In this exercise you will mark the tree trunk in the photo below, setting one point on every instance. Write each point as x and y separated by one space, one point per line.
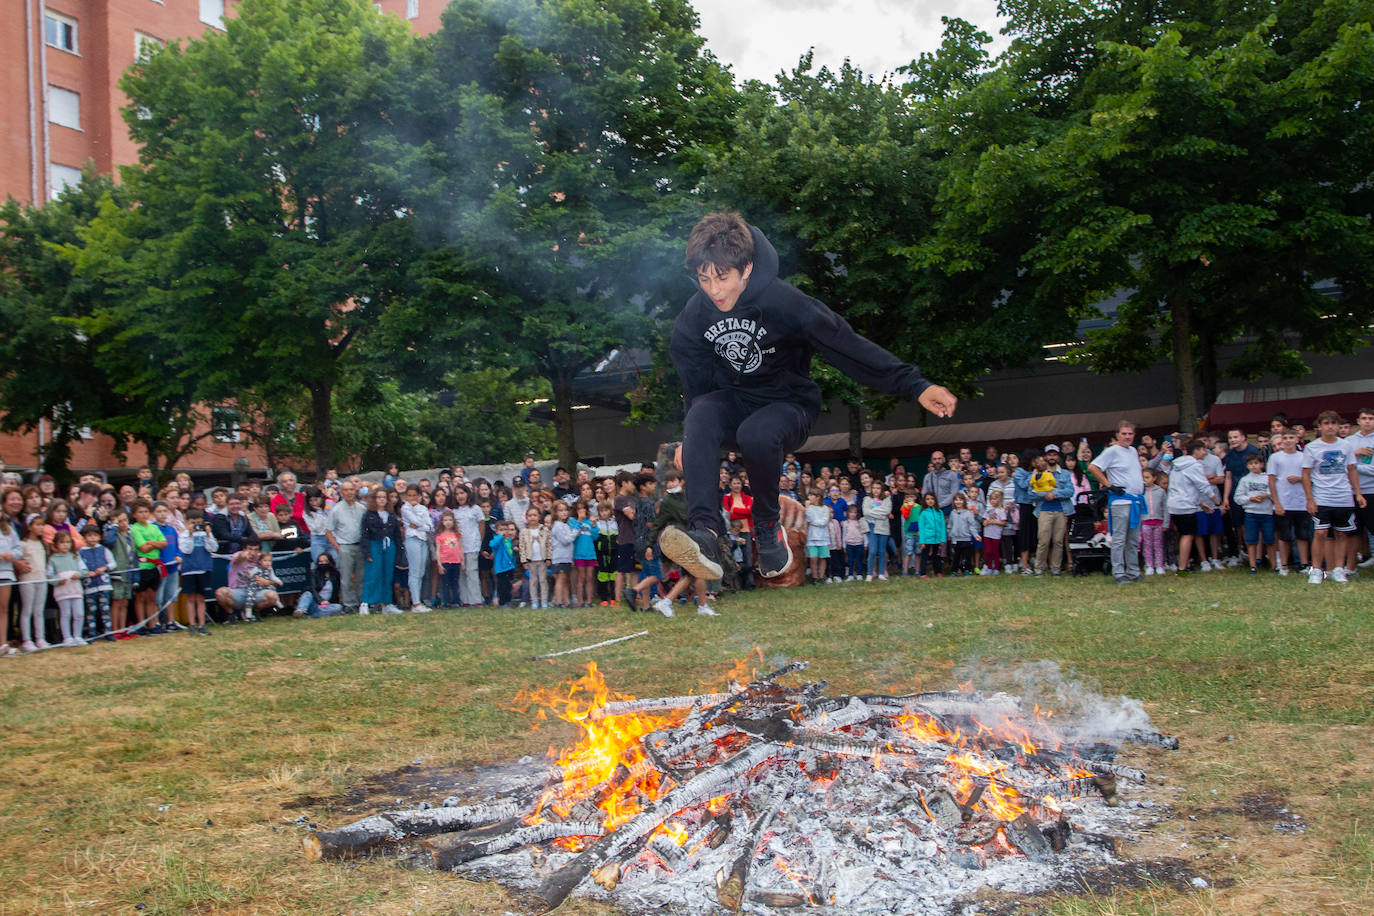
563 420
856 432
1184 363
322 424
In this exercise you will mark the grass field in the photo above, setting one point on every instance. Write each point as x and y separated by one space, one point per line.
171 771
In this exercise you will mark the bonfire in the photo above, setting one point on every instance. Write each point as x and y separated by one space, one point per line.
774 794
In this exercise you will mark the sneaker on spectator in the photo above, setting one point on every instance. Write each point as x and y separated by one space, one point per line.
697 551
704 610
1282 570
1149 571
1314 576
1366 563
391 609
1027 571
868 578
1338 575
1233 561
1204 566
664 607
882 577
774 554
28 646
419 609
42 643
364 610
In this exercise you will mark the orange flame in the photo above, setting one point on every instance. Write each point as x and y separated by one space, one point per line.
610 745
745 669
673 831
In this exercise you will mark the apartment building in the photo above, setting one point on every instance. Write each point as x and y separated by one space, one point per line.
60 65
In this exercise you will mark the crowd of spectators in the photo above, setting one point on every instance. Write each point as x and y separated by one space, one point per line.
114 563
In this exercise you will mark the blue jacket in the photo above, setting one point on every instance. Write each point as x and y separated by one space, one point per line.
502 554
1020 479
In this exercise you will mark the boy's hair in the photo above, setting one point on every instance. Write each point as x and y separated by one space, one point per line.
605 506
642 479
1195 444
1255 457
117 513
194 515
671 475
1365 410
90 530
219 490
1328 415
140 503
160 504
412 488
623 477
721 240
263 500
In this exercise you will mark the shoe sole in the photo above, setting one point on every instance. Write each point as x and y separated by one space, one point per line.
785 567
685 552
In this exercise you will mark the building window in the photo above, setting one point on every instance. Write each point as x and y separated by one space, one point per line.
64 107
59 31
412 9
224 424
144 45
61 177
212 13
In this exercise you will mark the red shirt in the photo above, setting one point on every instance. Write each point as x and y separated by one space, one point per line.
741 508
297 509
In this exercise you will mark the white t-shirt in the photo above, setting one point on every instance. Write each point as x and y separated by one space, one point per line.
1121 464
1212 467
1292 497
1365 466
818 526
1330 465
1250 486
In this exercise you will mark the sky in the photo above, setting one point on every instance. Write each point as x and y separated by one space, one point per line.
758 38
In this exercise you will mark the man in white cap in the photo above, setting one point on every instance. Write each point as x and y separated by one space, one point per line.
1049 510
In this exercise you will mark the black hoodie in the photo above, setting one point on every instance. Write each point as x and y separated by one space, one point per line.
761 349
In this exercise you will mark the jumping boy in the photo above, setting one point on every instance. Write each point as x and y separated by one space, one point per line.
742 347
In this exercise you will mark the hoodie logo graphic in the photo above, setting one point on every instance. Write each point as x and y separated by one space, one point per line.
737 342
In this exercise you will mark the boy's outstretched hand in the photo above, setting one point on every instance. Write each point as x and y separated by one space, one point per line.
938 400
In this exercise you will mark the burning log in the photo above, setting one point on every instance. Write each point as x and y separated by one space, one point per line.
392 826
753 689
698 789
656 704
450 849
778 899
730 884
1026 837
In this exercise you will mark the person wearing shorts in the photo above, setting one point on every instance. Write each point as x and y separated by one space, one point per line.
1252 493
624 505
1333 493
1362 441
1292 524
1190 495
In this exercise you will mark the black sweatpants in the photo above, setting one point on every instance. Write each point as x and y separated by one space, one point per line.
763 434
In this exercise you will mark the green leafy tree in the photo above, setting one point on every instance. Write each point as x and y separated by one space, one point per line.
553 185
268 236
1155 149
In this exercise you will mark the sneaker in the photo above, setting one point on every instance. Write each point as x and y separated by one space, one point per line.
774 554
1314 576
1172 567
1148 571
1038 572
664 607
391 609
1027 571
1204 566
704 610
882 577
42 644
1365 564
1338 575
174 626
27 647
835 579
420 609
868 578
1282 570
1254 571
1233 561
697 551
364 610
203 630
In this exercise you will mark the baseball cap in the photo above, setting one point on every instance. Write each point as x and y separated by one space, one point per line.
1051 447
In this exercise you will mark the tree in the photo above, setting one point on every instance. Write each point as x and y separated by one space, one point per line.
50 373
269 235
1152 149
554 195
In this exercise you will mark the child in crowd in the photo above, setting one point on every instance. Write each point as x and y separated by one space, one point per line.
536 546
262 582
932 537
836 567
119 542
169 556
11 549
877 508
1252 494
197 567
448 545
99 561
584 556
1331 483
1190 494
1292 524
911 531
400 576
148 542
1152 524
855 536
606 551
418 527
502 548
994 525
563 540
322 600
1041 480
65 565
33 590
818 518
962 528
381 534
